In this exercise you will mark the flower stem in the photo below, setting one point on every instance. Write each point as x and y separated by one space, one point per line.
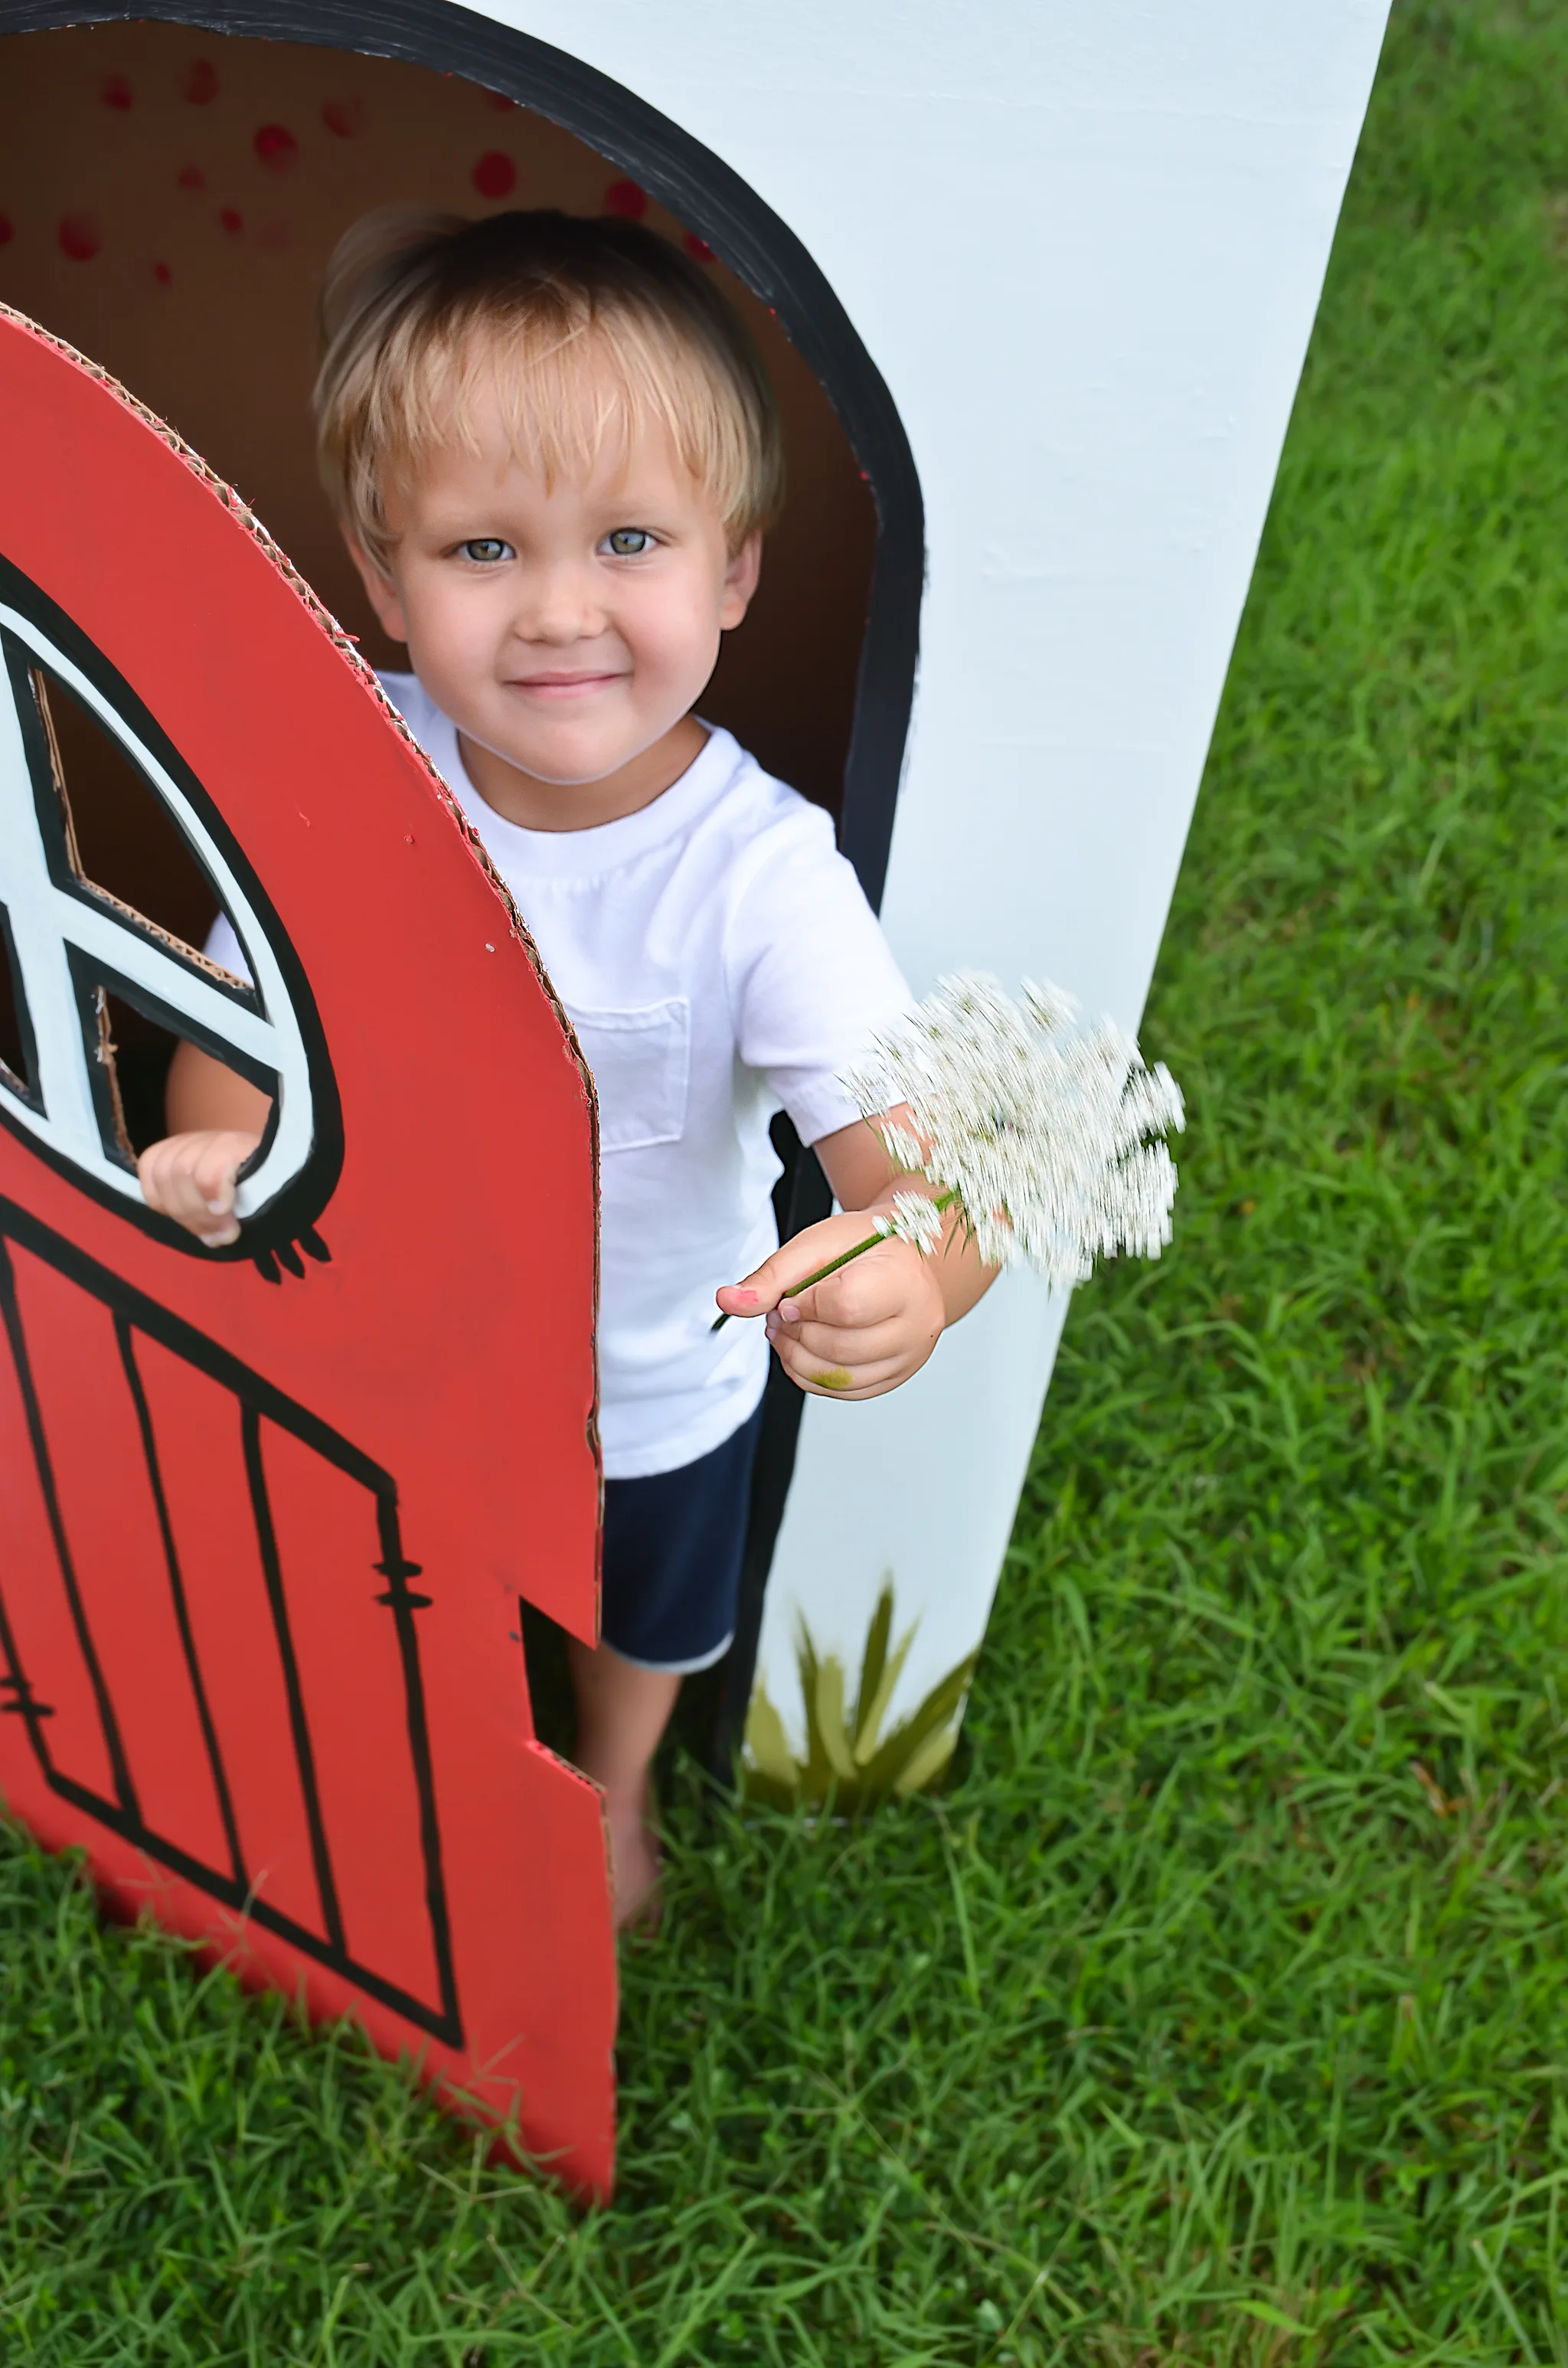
942 1201
822 1273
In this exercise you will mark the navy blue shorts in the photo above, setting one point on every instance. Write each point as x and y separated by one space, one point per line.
671 1558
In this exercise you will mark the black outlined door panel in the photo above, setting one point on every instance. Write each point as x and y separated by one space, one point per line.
320 1676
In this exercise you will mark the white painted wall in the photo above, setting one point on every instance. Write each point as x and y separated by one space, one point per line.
1084 241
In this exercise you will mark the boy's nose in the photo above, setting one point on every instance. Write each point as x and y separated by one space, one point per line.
560 604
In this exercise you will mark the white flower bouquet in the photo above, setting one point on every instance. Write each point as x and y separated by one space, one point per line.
1044 1134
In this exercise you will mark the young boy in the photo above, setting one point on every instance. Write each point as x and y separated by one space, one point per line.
553 451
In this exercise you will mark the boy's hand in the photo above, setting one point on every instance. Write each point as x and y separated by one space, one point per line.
858 1332
191 1177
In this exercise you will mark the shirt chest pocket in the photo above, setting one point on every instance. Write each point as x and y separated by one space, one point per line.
640 1060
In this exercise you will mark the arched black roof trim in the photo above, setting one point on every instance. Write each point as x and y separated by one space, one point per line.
712 201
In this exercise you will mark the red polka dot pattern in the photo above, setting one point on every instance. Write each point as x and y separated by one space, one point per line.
275 148
80 237
494 176
626 198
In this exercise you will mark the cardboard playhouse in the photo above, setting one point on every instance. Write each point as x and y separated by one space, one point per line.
1035 284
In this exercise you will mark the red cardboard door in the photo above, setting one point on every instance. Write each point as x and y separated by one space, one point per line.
267 1515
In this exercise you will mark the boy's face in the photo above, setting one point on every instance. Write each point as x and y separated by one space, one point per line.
568 632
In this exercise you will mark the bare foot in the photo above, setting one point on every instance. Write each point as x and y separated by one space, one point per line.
635 1865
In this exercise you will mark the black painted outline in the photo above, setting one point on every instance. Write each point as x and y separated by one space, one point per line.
290 1214
258 1400
26 1088
298 1723
125 1336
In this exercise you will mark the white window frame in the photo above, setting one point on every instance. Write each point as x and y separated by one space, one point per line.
57 1104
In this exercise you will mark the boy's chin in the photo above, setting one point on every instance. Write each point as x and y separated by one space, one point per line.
577 761
580 770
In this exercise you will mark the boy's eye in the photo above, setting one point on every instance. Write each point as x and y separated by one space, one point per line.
486 547
628 542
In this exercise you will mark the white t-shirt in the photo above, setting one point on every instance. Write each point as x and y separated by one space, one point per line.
719 962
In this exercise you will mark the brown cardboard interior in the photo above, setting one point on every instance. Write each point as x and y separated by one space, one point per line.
169 197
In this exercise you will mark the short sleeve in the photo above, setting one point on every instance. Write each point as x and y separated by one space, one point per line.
812 977
224 948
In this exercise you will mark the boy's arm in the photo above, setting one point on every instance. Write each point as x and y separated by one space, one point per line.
216 1119
865 1329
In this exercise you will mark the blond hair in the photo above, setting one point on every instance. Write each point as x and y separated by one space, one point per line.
587 331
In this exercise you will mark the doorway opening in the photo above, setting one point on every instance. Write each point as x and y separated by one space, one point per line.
169 192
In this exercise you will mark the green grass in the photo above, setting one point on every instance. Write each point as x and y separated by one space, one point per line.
1219 2014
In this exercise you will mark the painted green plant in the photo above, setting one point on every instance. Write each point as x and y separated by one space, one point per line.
847 1755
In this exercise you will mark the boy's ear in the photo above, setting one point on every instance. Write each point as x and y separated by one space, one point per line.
740 582
382 592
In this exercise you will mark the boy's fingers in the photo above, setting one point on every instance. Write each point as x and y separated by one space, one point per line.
818 1378
755 1295
193 1180
885 1285
759 1292
218 1167
187 1207
214 1179
773 1284
887 1348
162 1180
856 1298
837 1344
742 1299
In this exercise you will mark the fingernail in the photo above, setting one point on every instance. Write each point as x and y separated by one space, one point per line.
749 1296
789 1311
220 1241
218 1208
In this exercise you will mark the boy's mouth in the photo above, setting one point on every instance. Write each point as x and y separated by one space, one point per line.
561 685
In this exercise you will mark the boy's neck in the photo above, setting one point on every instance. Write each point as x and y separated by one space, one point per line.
533 804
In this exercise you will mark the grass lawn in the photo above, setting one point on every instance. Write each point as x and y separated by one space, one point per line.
1219 2012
